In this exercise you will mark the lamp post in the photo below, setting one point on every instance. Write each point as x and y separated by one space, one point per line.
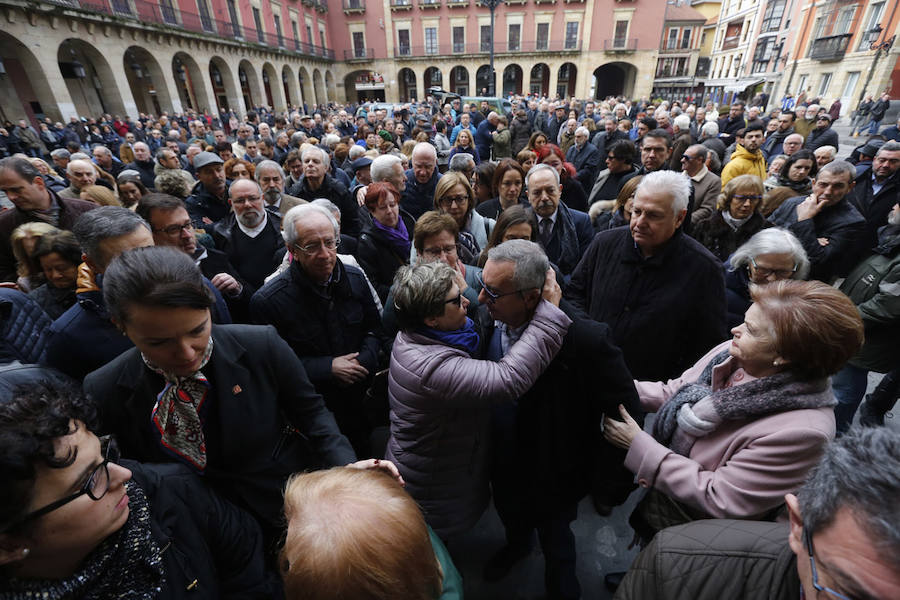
884 46
491 6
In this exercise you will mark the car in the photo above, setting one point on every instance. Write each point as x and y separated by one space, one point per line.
501 106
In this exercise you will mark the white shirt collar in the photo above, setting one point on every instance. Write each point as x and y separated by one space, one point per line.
256 230
700 174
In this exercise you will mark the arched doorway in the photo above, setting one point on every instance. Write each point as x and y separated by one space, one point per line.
249 84
289 83
539 81
146 80
406 79
306 93
88 76
330 87
614 79
318 86
459 80
512 80
224 90
189 83
565 80
364 86
271 87
483 81
432 78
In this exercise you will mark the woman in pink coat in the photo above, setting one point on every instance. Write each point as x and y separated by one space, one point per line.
742 427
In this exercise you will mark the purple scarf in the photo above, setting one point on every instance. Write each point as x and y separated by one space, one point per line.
397 237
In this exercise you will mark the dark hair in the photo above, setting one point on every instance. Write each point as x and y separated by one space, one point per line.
506 164
220 146
63 243
31 419
623 150
754 127
157 201
650 122
157 276
799 155
514 215
660 134
484 173
439 125
21 167
790 112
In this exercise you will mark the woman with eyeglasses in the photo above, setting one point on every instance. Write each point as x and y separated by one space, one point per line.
465 143
441 396
771 255
736 219
454 196
76 522
385 242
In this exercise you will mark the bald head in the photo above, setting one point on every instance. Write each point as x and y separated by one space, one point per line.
141 151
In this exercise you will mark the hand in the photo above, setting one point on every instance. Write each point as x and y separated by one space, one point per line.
809 208
461 282
552 293
822 241
621 433
384 465
207 221
347 370
227 284
361 195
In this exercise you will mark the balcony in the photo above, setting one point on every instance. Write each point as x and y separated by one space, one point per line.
499 48
545 1
620 45
432 4
831 48
354 6
457 3
731 42
401 5
668 48
309 3
321 6
359 54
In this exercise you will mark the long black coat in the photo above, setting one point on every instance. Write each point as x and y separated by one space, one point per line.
665 312
378 258
718 237
265 420
338 193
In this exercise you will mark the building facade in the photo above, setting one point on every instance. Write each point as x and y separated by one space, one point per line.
679 52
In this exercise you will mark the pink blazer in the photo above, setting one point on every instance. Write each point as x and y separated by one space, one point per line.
741 470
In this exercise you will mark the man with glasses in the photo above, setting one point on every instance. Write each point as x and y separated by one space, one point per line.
325 311
619 165
747 158
557 420
317 182
707 185
842 541
822 134
250 237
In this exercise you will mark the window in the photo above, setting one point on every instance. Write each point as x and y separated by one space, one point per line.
322 41
763 54
486 41
278 31
359 44
824 83
801 85
309 35
845 19
296 34
235 23
543 36
121 7
431 43
571 35
168 12
459 40
850 85
257 18
876 11
672 42
205 20
403 42
686 38
773 15
620 39
514 37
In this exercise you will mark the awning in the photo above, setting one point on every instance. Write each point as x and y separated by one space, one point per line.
742 84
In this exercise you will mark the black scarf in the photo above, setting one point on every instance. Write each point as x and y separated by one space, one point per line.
126 565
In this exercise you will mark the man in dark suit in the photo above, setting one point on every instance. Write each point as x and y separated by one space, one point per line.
585 156
563 233
876 190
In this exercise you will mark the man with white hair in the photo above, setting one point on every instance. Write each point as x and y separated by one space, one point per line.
709 137
81 174
824 155
792 144
421 179
661 293
585 156
317 183
681 139
104 158
483 138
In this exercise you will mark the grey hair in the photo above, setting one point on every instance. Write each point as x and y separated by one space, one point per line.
831 150
699 149
238 182
79 156
859 472
299 213
268 164
710 128
582 131
773 240
103 150
541 167
143 144
311 148
21 167
674 184
74 163
531 263
682 122
103 223
61 153
889 146
839 167
355 152
420 292
331 140
382 167
425 147
620 105
462 162
327 205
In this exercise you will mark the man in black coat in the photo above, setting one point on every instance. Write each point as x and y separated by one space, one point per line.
317 183
876 190
822 134
417 197
731 124
326 313
661 293
548 451
208 202
586 158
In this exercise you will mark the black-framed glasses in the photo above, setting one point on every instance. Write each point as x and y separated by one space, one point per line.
95 487
815 572
448 201
742 198
779 273
687 157
492 295
457 300
175 229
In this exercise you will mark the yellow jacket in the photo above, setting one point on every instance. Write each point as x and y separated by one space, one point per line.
743 162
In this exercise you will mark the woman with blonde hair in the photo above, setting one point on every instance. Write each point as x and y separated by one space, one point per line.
465 143
23 240
454 196
619 210
100 195
737 217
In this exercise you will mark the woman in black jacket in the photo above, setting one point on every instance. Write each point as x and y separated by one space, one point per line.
736 219
385 242
78 523
58 255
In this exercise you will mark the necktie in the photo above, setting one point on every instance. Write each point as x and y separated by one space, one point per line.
546 229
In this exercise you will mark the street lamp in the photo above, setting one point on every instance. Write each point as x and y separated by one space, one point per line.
492 5
885 46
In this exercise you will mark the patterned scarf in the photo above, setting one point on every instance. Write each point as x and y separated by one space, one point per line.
177 413
128 565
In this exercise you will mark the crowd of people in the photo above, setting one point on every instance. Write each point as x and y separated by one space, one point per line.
299 354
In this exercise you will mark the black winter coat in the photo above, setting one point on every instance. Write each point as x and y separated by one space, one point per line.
665 312
264 419
202 203
875 208
737 294
23 328
519 133
338 193
718 237
378 258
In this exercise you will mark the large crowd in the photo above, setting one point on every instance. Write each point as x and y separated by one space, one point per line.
298 354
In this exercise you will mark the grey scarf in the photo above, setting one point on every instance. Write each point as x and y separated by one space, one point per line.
677 426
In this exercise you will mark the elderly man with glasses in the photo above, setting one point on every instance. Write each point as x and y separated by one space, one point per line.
325 311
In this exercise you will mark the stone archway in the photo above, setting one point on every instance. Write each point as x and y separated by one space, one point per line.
330 87
565 80
459 80
28 93
305 81
319 86
406 81
291 90
432 78
614 79
89 78
272 89
483 83
539 82
146 80
189 83
512 80
225 91
250 85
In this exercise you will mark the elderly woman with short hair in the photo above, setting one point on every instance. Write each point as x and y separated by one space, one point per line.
736 219
441 397
454 196
386 240
770 255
